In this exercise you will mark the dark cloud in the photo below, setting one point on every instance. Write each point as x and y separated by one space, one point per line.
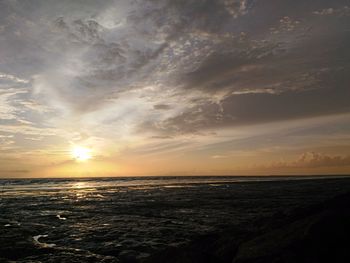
296 69
261 106
162 107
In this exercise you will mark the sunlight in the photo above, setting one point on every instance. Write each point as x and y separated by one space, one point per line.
81 154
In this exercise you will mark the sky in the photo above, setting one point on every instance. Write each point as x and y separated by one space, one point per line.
174 87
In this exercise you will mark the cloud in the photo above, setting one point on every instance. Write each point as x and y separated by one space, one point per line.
164 69
237 7
14 171
11 88
287 24
342 11
101 55
12 78
8 109
7 142
315 160
219 157
162 107
257 107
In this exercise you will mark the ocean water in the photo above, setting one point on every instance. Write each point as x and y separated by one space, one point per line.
131 218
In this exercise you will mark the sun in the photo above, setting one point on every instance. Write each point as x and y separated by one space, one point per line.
81 154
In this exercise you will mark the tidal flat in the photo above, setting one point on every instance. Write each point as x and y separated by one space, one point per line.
148 219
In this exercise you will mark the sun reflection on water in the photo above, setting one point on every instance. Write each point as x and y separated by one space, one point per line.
80 185
85 190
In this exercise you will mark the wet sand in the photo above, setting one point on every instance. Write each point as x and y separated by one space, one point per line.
170 221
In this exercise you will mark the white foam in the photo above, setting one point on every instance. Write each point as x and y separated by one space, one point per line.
61 217
36 241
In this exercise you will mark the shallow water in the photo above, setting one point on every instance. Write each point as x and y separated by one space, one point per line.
115 219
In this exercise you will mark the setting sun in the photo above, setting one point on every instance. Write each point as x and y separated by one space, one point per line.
81 154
